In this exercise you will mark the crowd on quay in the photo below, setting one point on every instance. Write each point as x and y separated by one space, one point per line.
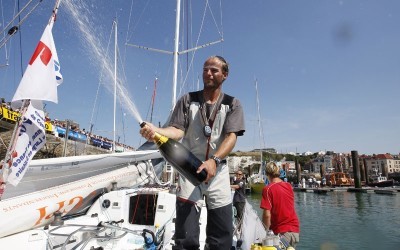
7 105
59 128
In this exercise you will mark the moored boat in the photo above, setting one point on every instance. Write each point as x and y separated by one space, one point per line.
381 181
257 187
339 179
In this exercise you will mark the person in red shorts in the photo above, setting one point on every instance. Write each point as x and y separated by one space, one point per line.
279 214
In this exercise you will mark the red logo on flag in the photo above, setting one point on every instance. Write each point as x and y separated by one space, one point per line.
44 51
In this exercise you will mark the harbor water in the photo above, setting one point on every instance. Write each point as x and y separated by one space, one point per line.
341 220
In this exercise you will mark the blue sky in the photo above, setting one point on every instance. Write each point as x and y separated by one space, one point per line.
327 71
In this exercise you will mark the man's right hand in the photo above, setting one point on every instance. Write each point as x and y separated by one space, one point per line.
147 131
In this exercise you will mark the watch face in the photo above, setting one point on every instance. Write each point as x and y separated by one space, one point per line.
207 131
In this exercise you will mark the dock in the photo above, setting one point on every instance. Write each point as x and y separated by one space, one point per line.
313 190
325 190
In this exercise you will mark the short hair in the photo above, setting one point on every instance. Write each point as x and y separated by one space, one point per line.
272 169
225 65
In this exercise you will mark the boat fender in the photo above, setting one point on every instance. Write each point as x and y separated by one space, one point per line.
255 246
268 248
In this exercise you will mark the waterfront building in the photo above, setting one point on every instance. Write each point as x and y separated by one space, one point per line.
383 163
289 166
323 161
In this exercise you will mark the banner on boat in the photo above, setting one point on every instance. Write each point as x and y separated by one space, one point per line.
31 138
42 76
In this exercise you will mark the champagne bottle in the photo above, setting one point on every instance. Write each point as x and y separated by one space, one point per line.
184 161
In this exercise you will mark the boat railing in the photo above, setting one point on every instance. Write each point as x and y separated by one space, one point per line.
100 232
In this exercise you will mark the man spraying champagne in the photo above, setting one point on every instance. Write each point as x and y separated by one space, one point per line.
208 122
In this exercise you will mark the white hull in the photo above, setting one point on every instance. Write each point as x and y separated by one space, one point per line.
133 208
35 209
122 207
117 220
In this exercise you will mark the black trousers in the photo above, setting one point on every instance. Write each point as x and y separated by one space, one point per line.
187 228
239 209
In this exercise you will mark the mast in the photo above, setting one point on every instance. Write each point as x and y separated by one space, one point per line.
115 79
175 53
175 68
153 99
260 130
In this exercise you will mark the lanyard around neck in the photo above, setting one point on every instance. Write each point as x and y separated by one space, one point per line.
209 121
213 112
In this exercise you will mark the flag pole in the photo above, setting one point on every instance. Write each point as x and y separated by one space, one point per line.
5 165
53 17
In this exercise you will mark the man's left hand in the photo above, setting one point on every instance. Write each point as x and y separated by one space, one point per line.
211 167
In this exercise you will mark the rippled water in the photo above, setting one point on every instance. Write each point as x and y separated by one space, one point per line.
343 220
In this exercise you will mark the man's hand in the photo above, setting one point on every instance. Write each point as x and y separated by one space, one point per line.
147 131
211 167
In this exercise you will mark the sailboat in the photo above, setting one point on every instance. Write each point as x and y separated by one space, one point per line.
48 183
128 208
258 180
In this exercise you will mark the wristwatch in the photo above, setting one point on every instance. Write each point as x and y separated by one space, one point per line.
216 159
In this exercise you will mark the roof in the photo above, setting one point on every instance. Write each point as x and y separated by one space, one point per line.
384 156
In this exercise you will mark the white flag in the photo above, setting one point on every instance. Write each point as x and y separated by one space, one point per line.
42 76
30 139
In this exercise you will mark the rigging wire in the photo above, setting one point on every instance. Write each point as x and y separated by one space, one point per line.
183 82
150 109
128 37
215 22
123 125
20 41
15 28
207 6
99 84
17 15
5 46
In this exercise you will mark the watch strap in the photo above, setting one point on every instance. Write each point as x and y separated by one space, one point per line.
216 159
